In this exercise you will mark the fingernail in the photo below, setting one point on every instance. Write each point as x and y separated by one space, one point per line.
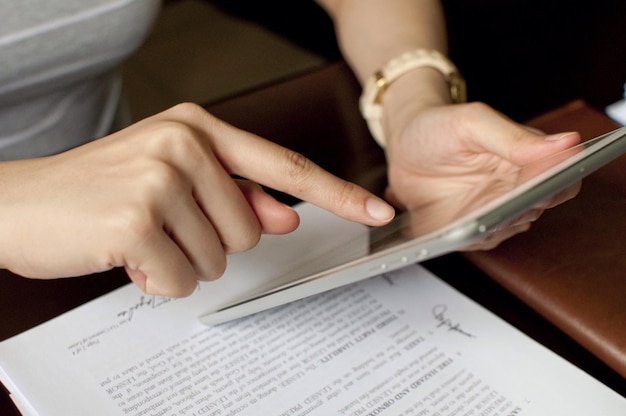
379 209
558 136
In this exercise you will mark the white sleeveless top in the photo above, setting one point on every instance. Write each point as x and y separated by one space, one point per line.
59 85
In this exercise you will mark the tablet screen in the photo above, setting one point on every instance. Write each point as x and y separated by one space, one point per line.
454 223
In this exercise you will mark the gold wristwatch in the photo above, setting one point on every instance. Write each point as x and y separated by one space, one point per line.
371 100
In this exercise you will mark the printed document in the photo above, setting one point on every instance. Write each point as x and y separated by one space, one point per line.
403 343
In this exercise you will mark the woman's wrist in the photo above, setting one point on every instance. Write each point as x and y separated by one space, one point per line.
415 91
414 79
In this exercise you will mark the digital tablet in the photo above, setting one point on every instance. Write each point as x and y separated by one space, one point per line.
449 225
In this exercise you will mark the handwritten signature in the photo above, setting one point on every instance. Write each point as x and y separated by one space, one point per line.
439 312
145 302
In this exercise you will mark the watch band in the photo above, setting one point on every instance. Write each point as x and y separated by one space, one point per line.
371 100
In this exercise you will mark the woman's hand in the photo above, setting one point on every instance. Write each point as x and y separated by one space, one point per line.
158 199
442 153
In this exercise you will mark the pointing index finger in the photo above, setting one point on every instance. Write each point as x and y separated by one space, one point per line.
285 170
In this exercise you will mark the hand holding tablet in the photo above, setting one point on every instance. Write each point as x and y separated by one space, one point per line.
474 219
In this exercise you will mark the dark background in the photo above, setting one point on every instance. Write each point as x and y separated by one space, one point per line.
523 57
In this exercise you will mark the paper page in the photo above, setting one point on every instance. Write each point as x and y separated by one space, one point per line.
399 344
403 344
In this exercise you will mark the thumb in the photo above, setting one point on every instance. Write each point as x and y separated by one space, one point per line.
514 142
531 146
